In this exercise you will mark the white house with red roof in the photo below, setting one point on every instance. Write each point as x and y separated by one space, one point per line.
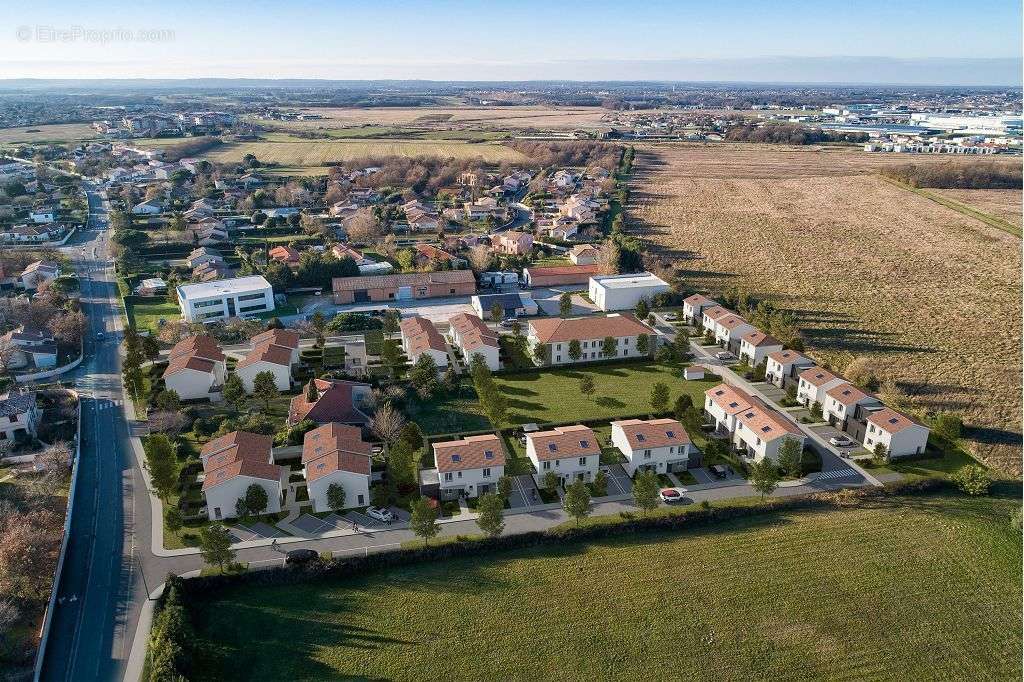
695 305
336 454
420 337
841 403
755 346
783 367
472 336
196 369
469 467
814 384
274 351
729 329
571 452
710 317
233 463
723 403
755 429
660 445
899 434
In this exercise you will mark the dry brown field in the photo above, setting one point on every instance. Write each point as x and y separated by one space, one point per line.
1002 203
551 118
871 269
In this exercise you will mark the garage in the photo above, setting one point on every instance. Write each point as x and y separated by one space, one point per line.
361 296
404 293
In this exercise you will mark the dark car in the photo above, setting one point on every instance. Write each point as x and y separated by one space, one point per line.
301 556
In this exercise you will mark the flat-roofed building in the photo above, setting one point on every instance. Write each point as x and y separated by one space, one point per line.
224 298
624 292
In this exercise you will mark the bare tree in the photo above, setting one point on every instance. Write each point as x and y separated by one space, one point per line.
479 257
68 328
8 353
387 422
362 227
167 422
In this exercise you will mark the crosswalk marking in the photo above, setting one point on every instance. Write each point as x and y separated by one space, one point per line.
831 475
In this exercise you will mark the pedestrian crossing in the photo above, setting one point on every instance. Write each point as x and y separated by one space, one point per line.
109 405
833 475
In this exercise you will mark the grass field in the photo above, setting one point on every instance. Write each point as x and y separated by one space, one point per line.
1001 203
870 268
910 588
296 151
553 396
148 315
59 132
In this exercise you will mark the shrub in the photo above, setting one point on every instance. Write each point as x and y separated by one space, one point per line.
973 480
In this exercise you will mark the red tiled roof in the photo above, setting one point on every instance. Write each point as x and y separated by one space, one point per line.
564 442
193 362
653 433
201 345
334 404
473 332
472 452
891 421
278 337
846 394
284 254
758 338
333 437
422 335
729 399
816 376
267 352
557 330
716 311
785 357
238 453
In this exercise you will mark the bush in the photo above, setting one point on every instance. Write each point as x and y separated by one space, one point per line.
973 480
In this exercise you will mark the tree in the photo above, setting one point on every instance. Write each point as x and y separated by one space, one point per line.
490 514
505 487
215 545
540 352
643 309
68 328
949 426
879 454
861 373
609 347
790 456
401 464
413 436
423 521
390 322
659 397
576 501
335 496
645 490
601 483
234 392
265 388
379 495
167 400
683 404
312 392
363 226
587 385
973 479
423 376
256 499
161 464
550 481
575 350
764 477
497 312
387 423
452 380
173 520
643 344
565 304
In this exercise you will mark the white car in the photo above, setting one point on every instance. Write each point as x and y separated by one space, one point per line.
670 495
840 441
380 513
725 355
670 316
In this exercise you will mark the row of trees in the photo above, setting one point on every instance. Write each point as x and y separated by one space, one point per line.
492 400
788 133
950 175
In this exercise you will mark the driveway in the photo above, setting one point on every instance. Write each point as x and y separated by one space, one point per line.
547 299
828 431
619 482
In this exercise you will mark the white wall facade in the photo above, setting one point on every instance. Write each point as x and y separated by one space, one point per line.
468 482
221 306
568 469
591 349
192 384
282 375
658 459
910 441
222 498
357 490
755 355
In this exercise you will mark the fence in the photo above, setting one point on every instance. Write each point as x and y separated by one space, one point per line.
56 371
44 634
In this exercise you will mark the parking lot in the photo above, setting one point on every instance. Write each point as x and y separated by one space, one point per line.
256 531
619 482
826 431
524 492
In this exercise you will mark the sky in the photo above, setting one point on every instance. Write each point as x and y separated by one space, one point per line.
869 41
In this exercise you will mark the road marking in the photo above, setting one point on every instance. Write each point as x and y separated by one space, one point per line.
832 475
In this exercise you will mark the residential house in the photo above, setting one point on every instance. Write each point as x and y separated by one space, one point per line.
472 336
730 329
897 433
557 334
420 337
559 275
723 403
513 304
274 351
783 367
287 255
337 401
658 445
341 251
30 345
513 242
427 254
403 286
153 286
571 452
38 273
584 254
814 382
695 305
19 415
196 369
711 316
483 208
150 207
563 227
43 215
846 407
755 346
221 299
31 234
755 429
202 255
211 271
336 454
469 467
233 463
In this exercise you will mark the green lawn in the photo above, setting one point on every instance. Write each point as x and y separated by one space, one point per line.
925 587
148 315
553 396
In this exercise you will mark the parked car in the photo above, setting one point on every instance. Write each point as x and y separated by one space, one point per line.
380 513
840 441
725 355
720 470
301 556
671 317
670 495
507 324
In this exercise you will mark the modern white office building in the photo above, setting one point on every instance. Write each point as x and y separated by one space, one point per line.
224 298
623 292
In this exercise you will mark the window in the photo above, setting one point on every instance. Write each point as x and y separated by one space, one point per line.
547 465
558 359
487 473
252 297
583 461
360 501
447 475
460 475
647 454
248 308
